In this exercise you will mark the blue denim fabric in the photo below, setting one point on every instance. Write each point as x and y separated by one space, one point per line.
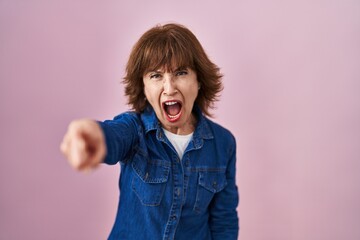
164 197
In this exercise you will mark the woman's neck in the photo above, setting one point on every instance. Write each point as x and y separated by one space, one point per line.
187 128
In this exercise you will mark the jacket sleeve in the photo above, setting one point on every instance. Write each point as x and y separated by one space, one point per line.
121 135
224 222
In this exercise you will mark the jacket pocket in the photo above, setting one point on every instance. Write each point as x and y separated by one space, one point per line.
209 183
150 178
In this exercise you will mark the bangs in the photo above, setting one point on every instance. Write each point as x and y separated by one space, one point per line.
167 53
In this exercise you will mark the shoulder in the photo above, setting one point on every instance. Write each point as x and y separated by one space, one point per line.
127 115
126 119
221 133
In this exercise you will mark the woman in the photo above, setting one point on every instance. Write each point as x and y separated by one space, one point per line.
177 167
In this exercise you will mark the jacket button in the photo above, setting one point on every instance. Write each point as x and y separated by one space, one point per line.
173 218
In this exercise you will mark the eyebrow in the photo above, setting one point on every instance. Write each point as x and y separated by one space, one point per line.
153 71
160 71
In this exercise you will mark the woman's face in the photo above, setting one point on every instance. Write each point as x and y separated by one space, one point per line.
172 95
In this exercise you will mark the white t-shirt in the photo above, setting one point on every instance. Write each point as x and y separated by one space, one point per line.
180 142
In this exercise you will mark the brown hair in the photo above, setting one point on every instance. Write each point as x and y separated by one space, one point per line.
171 46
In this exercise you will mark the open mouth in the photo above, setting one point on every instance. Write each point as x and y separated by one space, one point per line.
172 110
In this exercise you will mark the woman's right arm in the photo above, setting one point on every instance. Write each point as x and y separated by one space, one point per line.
87 143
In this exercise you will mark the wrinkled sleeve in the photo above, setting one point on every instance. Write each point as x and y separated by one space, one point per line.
121 135
224 222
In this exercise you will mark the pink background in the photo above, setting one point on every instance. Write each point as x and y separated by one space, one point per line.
292 98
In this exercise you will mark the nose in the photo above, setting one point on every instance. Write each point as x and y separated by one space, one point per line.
169 85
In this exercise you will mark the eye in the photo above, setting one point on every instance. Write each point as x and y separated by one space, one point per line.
181 73
155 76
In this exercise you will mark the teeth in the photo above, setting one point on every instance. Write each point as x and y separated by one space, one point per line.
170 103
175 116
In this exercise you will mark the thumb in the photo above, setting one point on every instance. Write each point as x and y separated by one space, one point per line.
79 153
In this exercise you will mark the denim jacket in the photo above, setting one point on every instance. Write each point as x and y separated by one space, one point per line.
164 197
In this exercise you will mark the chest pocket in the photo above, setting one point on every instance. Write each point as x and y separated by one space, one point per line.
209 183
150 178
